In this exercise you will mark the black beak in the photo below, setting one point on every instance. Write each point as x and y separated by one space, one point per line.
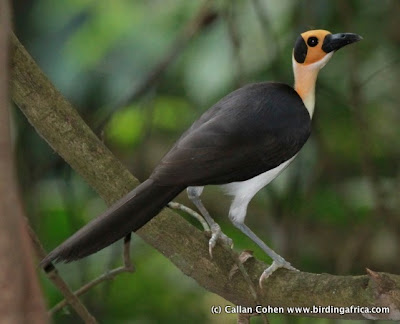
333 42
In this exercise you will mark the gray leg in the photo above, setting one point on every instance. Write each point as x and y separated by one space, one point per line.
237 215
194 195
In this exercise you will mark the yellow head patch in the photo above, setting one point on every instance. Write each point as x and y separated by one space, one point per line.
308 47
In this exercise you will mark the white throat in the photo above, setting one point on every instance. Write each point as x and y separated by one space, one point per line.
305 78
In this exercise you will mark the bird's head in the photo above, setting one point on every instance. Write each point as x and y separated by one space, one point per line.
315 47
312 50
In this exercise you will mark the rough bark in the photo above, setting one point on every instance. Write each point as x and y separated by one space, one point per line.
187 247
20 296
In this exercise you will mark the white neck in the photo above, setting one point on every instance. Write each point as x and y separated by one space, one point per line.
305 78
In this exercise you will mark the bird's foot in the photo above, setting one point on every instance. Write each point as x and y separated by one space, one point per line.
216 234
273 267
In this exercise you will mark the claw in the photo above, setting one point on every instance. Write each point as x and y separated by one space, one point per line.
211 244
229 242
216 234
273 267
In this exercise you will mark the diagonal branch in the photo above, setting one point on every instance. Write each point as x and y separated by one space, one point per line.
110 275
52 274
203 18
60 125
234 37
178 206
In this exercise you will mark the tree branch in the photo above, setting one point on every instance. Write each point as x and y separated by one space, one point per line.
110 275
202 19
21 299
55 278
191 212
266 26
234 37
187 247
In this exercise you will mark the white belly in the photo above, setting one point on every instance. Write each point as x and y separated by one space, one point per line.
245 190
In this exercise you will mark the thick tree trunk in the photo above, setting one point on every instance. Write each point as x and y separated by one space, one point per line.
20 296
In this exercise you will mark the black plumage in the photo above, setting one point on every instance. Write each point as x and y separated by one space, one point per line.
250 131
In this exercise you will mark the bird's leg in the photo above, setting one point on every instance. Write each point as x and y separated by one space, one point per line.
278 261
194 195
237 214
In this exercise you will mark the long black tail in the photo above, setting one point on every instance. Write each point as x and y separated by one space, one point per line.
126 216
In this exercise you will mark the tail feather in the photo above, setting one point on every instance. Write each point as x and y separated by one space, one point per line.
126 216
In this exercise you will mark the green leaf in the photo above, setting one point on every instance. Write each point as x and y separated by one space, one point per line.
126 127
171 113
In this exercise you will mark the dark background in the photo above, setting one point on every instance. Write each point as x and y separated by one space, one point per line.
334 210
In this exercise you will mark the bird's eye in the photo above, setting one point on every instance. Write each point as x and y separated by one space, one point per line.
312 41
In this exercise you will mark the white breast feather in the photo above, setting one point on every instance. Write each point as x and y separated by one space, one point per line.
249 188
244 191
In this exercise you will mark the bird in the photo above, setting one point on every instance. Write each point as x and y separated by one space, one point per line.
241 143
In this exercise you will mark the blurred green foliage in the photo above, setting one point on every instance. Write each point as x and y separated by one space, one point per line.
336 209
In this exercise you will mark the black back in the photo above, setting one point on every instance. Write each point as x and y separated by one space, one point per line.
250 131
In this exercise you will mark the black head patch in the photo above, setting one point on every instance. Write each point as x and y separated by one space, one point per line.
300 50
